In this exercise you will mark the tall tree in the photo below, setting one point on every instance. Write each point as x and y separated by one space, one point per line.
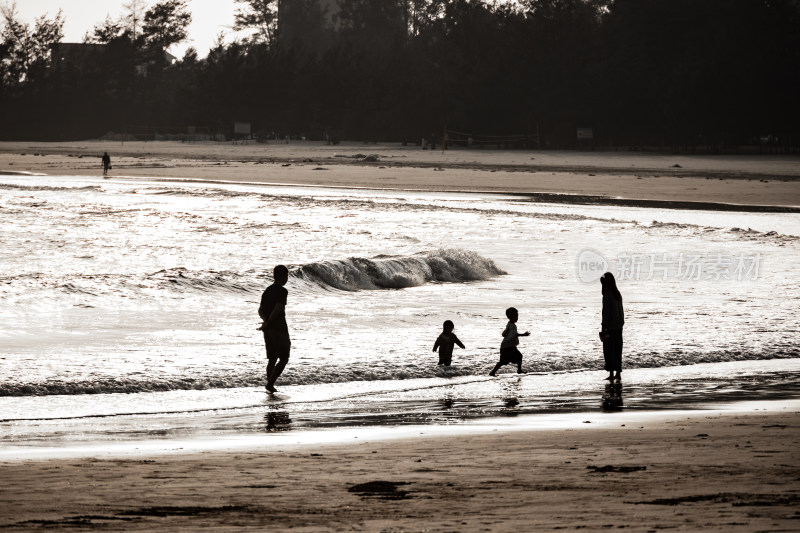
105 31
134 16
305 25
26 51
165 24
259 16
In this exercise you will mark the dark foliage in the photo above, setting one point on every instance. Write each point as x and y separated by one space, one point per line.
678 74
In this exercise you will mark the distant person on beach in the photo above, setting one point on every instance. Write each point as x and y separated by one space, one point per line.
276 333
445 343
611 328
106 163
508 348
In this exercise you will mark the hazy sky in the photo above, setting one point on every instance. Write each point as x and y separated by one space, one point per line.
209 18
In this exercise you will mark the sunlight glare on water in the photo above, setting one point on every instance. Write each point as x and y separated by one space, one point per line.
142 286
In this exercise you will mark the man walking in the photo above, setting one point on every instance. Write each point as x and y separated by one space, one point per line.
276 333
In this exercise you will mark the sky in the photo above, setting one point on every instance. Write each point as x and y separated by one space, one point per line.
209 18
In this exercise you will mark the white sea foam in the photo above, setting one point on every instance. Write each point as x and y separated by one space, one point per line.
110 287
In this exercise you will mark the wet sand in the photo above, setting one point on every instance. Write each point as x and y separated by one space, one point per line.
740 182
733 470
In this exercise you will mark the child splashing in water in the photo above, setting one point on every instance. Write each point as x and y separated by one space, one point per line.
445 343
508 348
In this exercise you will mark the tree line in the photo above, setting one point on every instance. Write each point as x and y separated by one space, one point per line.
672 73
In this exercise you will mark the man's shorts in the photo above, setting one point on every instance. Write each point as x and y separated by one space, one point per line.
278 344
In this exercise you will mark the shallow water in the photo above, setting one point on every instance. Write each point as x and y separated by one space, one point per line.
135 287
183 420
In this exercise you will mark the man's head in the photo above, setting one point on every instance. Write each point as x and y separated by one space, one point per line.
280 274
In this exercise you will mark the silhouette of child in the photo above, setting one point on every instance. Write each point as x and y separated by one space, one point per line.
445 343
508 348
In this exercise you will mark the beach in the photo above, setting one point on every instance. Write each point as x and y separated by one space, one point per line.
709 470
138 404
565 176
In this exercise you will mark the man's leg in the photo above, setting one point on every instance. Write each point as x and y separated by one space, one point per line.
280 346
277 370
271 358
270 367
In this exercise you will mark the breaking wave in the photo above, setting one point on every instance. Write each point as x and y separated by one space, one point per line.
353 274
356 273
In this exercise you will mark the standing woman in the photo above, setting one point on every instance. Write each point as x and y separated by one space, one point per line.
611 332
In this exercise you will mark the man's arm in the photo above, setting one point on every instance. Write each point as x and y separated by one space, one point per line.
276 311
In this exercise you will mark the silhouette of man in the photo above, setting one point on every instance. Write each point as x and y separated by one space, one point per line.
106 163
276 333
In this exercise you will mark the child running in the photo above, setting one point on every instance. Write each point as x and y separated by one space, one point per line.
508 348
445 343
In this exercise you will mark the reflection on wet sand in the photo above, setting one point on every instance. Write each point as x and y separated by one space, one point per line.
511 394
277 421
527 395
612 397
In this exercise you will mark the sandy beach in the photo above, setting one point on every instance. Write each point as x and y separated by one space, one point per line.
747 182
704 470
733 467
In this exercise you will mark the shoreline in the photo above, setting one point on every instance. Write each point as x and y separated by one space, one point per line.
731 183
535 197
640 471
104 426
280 436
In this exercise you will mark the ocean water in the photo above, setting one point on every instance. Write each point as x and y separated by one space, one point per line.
123 298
